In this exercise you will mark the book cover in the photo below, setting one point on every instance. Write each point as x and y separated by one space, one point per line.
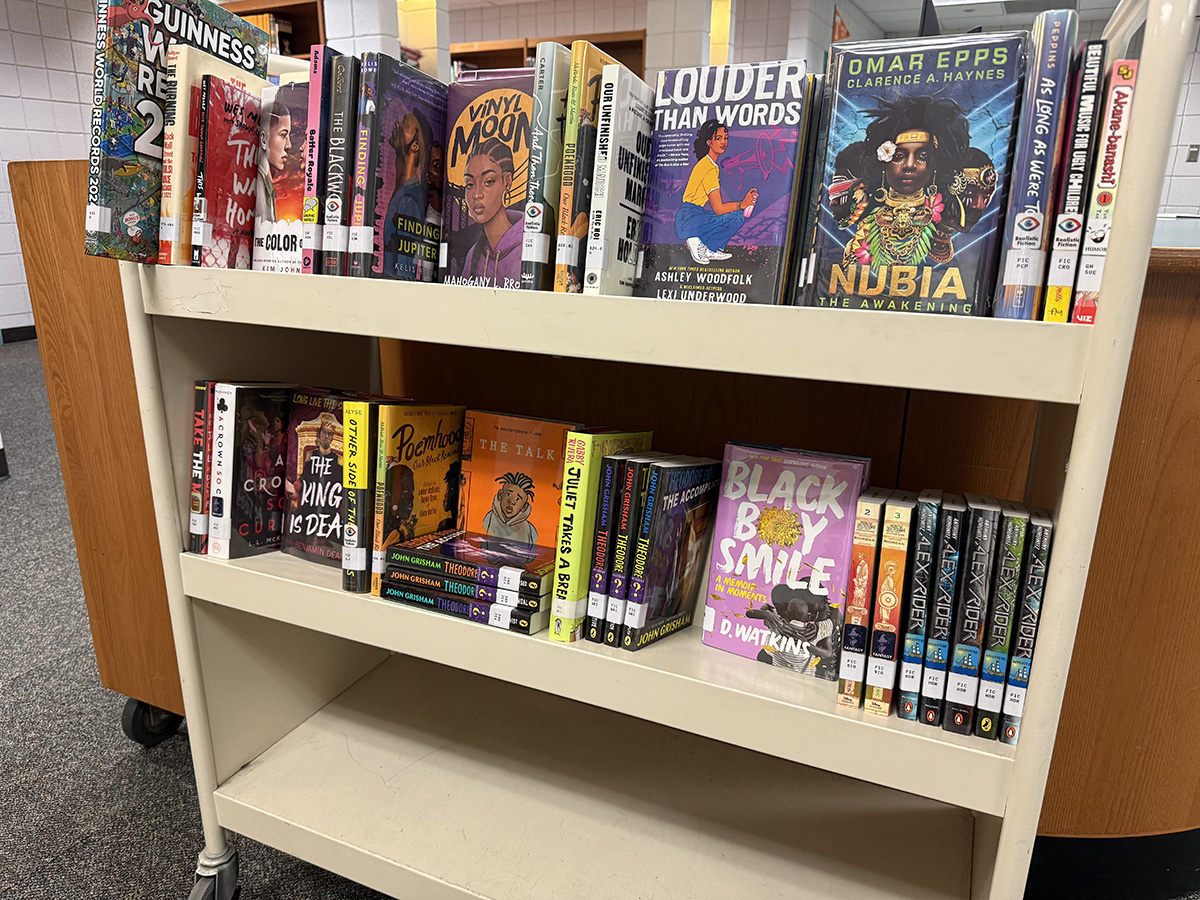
226 173
1107 171
312 527
339 167
197 517
279 208
631 500
472 590
582 459
970 619
552 74
1029 611
856 627
181 136
1027 229
619 183
895 550
916 611
487 176
1002 617
361 236
1079 155
952 533
360 426
782 550
722 192
916 172
316 155
418 452
125 133
249 465
482 558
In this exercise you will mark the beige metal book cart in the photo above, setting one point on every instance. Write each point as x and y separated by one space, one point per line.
434 758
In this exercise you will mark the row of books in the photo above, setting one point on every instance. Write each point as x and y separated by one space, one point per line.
279 31
960 174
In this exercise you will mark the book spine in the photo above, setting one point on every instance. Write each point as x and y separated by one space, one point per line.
941 617
339 174
222 487
316 144
361 240
570 597
602 545
916 613
508 578
1001 618
962 681
358 512
1079 156
536 262
637 601
201 229
857 625
208 460
601 180
1030 610
379 526
567 248
472 590
1110 151
167 223
473 610
633 483
884 649
98 218
197 520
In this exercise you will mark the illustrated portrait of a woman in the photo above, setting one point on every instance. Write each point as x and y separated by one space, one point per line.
706 221
496 253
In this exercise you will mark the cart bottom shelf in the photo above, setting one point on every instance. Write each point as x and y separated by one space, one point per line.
424 781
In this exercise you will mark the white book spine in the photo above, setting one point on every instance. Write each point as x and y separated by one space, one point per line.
221 482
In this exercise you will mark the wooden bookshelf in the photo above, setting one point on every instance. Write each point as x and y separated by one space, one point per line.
307 18
628 47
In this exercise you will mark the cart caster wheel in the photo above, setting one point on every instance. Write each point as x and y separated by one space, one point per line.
205 888
148 725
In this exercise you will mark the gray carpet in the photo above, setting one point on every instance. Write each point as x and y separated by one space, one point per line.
84 812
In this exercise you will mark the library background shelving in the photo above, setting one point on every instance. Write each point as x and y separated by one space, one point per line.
428 757
307 18
627 47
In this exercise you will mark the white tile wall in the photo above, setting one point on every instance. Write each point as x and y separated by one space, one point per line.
1181 187
45 102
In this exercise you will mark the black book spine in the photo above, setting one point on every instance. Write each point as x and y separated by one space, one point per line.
459 607
632 496
339 168
433 562
200 205
366 163
472 590
657 486
1010 555
916 614
602 546
197 521
1033 587
940 624
359 426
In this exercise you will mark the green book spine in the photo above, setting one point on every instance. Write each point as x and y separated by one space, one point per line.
997 642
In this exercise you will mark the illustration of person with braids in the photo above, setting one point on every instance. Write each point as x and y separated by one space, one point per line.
706 222
911 184
496 253
511 509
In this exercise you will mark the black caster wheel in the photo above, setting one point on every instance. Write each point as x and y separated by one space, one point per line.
148 725
205 888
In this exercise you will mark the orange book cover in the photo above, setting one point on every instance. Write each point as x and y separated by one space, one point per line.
512 469
883 652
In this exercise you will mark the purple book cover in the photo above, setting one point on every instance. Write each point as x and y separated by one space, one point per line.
406 198
313 487
719 201
487 174
781 556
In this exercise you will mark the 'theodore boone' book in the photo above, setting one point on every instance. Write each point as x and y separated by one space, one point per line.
223 205
1002 618
126 130
856 625
1038 158
721 199
883 649
473 590
497 615
278 229
619 182
916 172
782 546
952 534
481 558
916 609
339 166
487 173
1029 611
312 526
551 77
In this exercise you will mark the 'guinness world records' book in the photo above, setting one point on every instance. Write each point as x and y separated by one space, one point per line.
360 426
952 535
619 182
906 225
1076 175
125 134
480 558
1029 610
312 525
1110 151
278 225
883 651
970 619
1002 618
552 75
339 169
916 612
723 190
1027 228
856 627
316 154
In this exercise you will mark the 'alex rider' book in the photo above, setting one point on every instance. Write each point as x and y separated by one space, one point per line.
916 172
721 195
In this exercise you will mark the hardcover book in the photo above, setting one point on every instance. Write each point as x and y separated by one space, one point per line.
1002 617
619 182
125 156
723 186
1029 611
201 463
952 533
339 168
916 610
278 224
895 551
226 168
551 77
810 192
317 141
481 558
1027 232
856 627
360 427
579 160
916 172
781 556
487 176
314 481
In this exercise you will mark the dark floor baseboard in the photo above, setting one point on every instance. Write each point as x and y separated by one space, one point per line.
21 333
1159 867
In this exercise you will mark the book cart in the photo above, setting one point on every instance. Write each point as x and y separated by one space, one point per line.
430 757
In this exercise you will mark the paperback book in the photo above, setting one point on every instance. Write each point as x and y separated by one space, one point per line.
201 465
551 77
916 610
883 650
278 225
496 615
472 590
1002 618
339 168
630 501
856 627
360 427
952 533
317 141
314 481
479 558
1029 611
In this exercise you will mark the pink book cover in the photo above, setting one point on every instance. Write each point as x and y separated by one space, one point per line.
781 551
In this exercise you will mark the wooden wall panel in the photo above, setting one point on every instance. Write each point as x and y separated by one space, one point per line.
84 342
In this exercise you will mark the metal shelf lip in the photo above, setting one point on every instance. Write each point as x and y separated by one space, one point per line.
678 682
958 354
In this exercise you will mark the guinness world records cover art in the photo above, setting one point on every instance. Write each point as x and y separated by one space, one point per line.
916 174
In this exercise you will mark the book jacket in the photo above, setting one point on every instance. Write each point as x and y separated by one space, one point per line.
916 172
552 74
226 161
339 166
278 224
315 467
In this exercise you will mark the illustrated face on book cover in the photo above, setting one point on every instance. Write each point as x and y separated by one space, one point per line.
281 155
314 484
808 621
